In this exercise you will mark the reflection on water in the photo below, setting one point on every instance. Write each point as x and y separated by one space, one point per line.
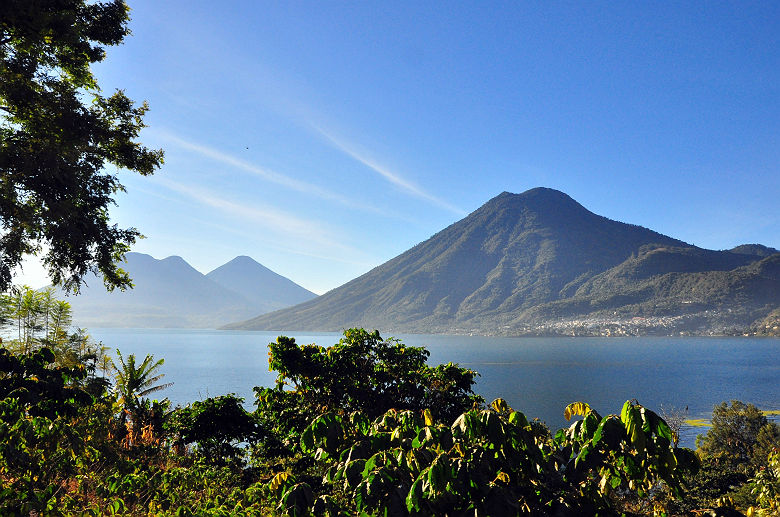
538 376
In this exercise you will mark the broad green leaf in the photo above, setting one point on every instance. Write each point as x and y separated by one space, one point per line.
307 439
649 419
624 412
354 471
662 429
589 425
610 432
333 474
632 419
495 427
518 419
299 496
583 455
437 474
414 498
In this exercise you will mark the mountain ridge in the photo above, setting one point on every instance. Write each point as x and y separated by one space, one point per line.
170 293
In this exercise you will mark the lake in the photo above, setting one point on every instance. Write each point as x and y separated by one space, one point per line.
538 376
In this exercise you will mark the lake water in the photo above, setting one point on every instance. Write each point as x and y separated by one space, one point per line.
538 376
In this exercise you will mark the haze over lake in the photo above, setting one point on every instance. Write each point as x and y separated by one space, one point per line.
538 376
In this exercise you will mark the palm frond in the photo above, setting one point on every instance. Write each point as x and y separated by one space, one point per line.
154 389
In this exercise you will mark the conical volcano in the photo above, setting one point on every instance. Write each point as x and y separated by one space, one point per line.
505 266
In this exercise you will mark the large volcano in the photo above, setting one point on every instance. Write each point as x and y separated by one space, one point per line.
522 261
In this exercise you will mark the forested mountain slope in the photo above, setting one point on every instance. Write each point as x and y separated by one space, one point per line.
521 262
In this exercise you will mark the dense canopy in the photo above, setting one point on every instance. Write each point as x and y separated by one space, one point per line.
62 142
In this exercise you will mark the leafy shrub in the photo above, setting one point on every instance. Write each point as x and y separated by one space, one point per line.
488 462
46 415
217 425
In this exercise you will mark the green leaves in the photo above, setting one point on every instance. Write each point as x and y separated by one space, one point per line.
362 374
610 431
437 475
216 424
633 422
407 461
58 135
133 382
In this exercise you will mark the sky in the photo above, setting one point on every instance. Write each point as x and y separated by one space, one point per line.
325 138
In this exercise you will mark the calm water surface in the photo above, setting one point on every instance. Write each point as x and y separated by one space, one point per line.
538 376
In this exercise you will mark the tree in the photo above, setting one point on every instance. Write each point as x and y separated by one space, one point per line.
362 372
25 313
734 434
217 424
58 134
737 446
135 382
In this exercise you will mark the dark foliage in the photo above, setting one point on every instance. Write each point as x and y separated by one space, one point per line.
58 134
217 425
362 372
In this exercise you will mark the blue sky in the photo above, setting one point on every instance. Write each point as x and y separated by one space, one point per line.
324 138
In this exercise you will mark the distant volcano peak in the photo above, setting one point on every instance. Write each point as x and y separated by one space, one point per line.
538 199
545 193
244 260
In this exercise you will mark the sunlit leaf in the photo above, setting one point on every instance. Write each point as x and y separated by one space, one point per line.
499 405
427 417
576 408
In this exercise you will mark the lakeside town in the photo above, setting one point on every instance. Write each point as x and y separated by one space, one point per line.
617 326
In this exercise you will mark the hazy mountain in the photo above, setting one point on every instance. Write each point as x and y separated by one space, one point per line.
168 293
268 291
521 262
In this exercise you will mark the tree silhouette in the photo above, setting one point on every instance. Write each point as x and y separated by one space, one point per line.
62 141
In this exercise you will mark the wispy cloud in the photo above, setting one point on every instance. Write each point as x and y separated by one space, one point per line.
265 173
392 177
302 230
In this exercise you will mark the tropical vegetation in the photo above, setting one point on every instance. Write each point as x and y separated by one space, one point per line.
363 427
